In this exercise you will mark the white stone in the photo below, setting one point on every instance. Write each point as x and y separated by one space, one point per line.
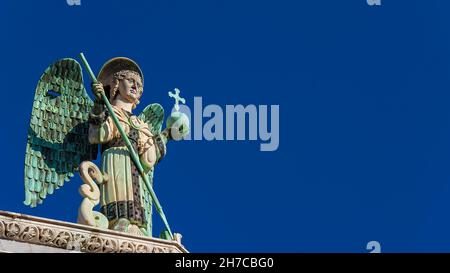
28 234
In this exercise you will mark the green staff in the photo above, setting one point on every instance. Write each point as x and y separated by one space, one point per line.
133 153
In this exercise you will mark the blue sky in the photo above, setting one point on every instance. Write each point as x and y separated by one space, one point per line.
363 94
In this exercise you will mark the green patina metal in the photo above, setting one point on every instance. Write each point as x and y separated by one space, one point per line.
57 137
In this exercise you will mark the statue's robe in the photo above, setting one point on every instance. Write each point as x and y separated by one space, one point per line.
124 194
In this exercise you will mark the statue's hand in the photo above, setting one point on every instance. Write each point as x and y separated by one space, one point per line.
98 112
98 89
166 134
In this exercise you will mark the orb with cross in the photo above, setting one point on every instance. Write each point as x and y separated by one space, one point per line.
177 121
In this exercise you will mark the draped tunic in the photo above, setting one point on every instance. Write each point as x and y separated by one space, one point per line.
124 194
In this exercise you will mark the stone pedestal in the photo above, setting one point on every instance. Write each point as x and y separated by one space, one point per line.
24 233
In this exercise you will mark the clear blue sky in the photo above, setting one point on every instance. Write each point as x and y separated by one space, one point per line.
364 95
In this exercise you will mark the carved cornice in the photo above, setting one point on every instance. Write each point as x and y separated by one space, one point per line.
76 237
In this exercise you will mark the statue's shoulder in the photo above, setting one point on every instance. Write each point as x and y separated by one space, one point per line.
120 113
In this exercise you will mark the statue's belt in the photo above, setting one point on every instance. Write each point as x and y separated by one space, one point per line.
133 136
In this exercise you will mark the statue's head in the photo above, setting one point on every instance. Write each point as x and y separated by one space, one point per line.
122 76
128 85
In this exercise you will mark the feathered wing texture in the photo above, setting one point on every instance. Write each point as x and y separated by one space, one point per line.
153 115
58 134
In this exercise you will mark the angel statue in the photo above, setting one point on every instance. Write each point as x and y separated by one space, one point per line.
67 127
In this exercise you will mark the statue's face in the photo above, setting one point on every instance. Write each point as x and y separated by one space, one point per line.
130 88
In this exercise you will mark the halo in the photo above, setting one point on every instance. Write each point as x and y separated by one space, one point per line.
117 64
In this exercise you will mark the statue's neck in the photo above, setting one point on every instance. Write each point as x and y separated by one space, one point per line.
123 104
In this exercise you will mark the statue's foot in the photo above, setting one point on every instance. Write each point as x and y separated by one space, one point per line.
135 230
121 225
145 232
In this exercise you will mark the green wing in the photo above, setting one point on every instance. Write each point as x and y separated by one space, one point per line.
58 134
153 115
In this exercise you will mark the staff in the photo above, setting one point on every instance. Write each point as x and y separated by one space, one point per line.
133 153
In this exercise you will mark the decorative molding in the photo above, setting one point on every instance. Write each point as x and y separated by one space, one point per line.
76 237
